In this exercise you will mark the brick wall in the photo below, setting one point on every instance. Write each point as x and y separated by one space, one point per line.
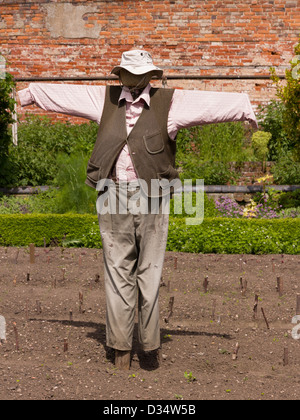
186 37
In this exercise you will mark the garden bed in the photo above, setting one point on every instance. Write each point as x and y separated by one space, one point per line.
40 302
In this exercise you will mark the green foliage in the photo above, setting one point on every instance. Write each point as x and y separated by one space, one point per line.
236 236
41 141
270 119
289 200
214 235
74 195
208 203
287 170
43 203
260 141
6 108
204 152
289 94
21 230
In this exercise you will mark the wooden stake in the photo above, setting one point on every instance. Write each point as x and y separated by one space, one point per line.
66 345
279 286
298 305
81 311
175 263
255 307
205 284
16 336
28 276
285 356
32 256
171 304
235 353
17 256
122 359
71 315
244 285
265 318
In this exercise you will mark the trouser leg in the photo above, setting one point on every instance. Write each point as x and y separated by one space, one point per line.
151 237
134 248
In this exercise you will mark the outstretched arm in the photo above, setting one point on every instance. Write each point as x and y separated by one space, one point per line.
193 107
78 100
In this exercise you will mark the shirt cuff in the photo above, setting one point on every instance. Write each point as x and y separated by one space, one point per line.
25 97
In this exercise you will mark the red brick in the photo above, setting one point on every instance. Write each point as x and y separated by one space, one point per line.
188 34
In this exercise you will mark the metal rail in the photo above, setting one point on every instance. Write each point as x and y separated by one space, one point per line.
114 78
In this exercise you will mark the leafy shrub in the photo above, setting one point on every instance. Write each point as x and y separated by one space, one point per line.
260 141
21 230
40 141
204 152
214 235
289 94
287 170
74 195
270 119
290 200
6 108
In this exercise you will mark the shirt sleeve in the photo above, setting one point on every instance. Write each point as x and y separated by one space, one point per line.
193 107
77 100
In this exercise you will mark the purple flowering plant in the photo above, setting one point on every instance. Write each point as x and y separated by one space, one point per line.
228 207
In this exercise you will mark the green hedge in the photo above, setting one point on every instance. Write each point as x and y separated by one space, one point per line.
21 230
214 235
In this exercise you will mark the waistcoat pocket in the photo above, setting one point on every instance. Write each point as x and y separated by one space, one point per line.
154 143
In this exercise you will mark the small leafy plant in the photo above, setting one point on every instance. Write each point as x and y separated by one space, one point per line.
189 377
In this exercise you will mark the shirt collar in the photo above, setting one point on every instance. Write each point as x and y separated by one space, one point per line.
145 95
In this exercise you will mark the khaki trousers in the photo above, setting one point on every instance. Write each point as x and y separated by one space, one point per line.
134 248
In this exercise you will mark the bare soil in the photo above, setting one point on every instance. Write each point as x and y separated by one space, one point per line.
55 348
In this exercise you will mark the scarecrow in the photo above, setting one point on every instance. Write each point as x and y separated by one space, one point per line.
136 145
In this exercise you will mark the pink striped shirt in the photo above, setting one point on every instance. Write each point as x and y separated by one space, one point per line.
188 108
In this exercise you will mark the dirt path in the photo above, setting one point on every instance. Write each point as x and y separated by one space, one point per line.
40 303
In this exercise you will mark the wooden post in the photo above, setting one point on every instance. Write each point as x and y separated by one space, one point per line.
205 284
244 285
32 256
122 359
81 311
17 255
265 318
298 305
285 356
16 336
236 350
66 345
171 304
280 286
255 307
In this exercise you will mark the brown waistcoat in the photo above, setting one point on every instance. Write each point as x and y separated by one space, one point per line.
150 147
